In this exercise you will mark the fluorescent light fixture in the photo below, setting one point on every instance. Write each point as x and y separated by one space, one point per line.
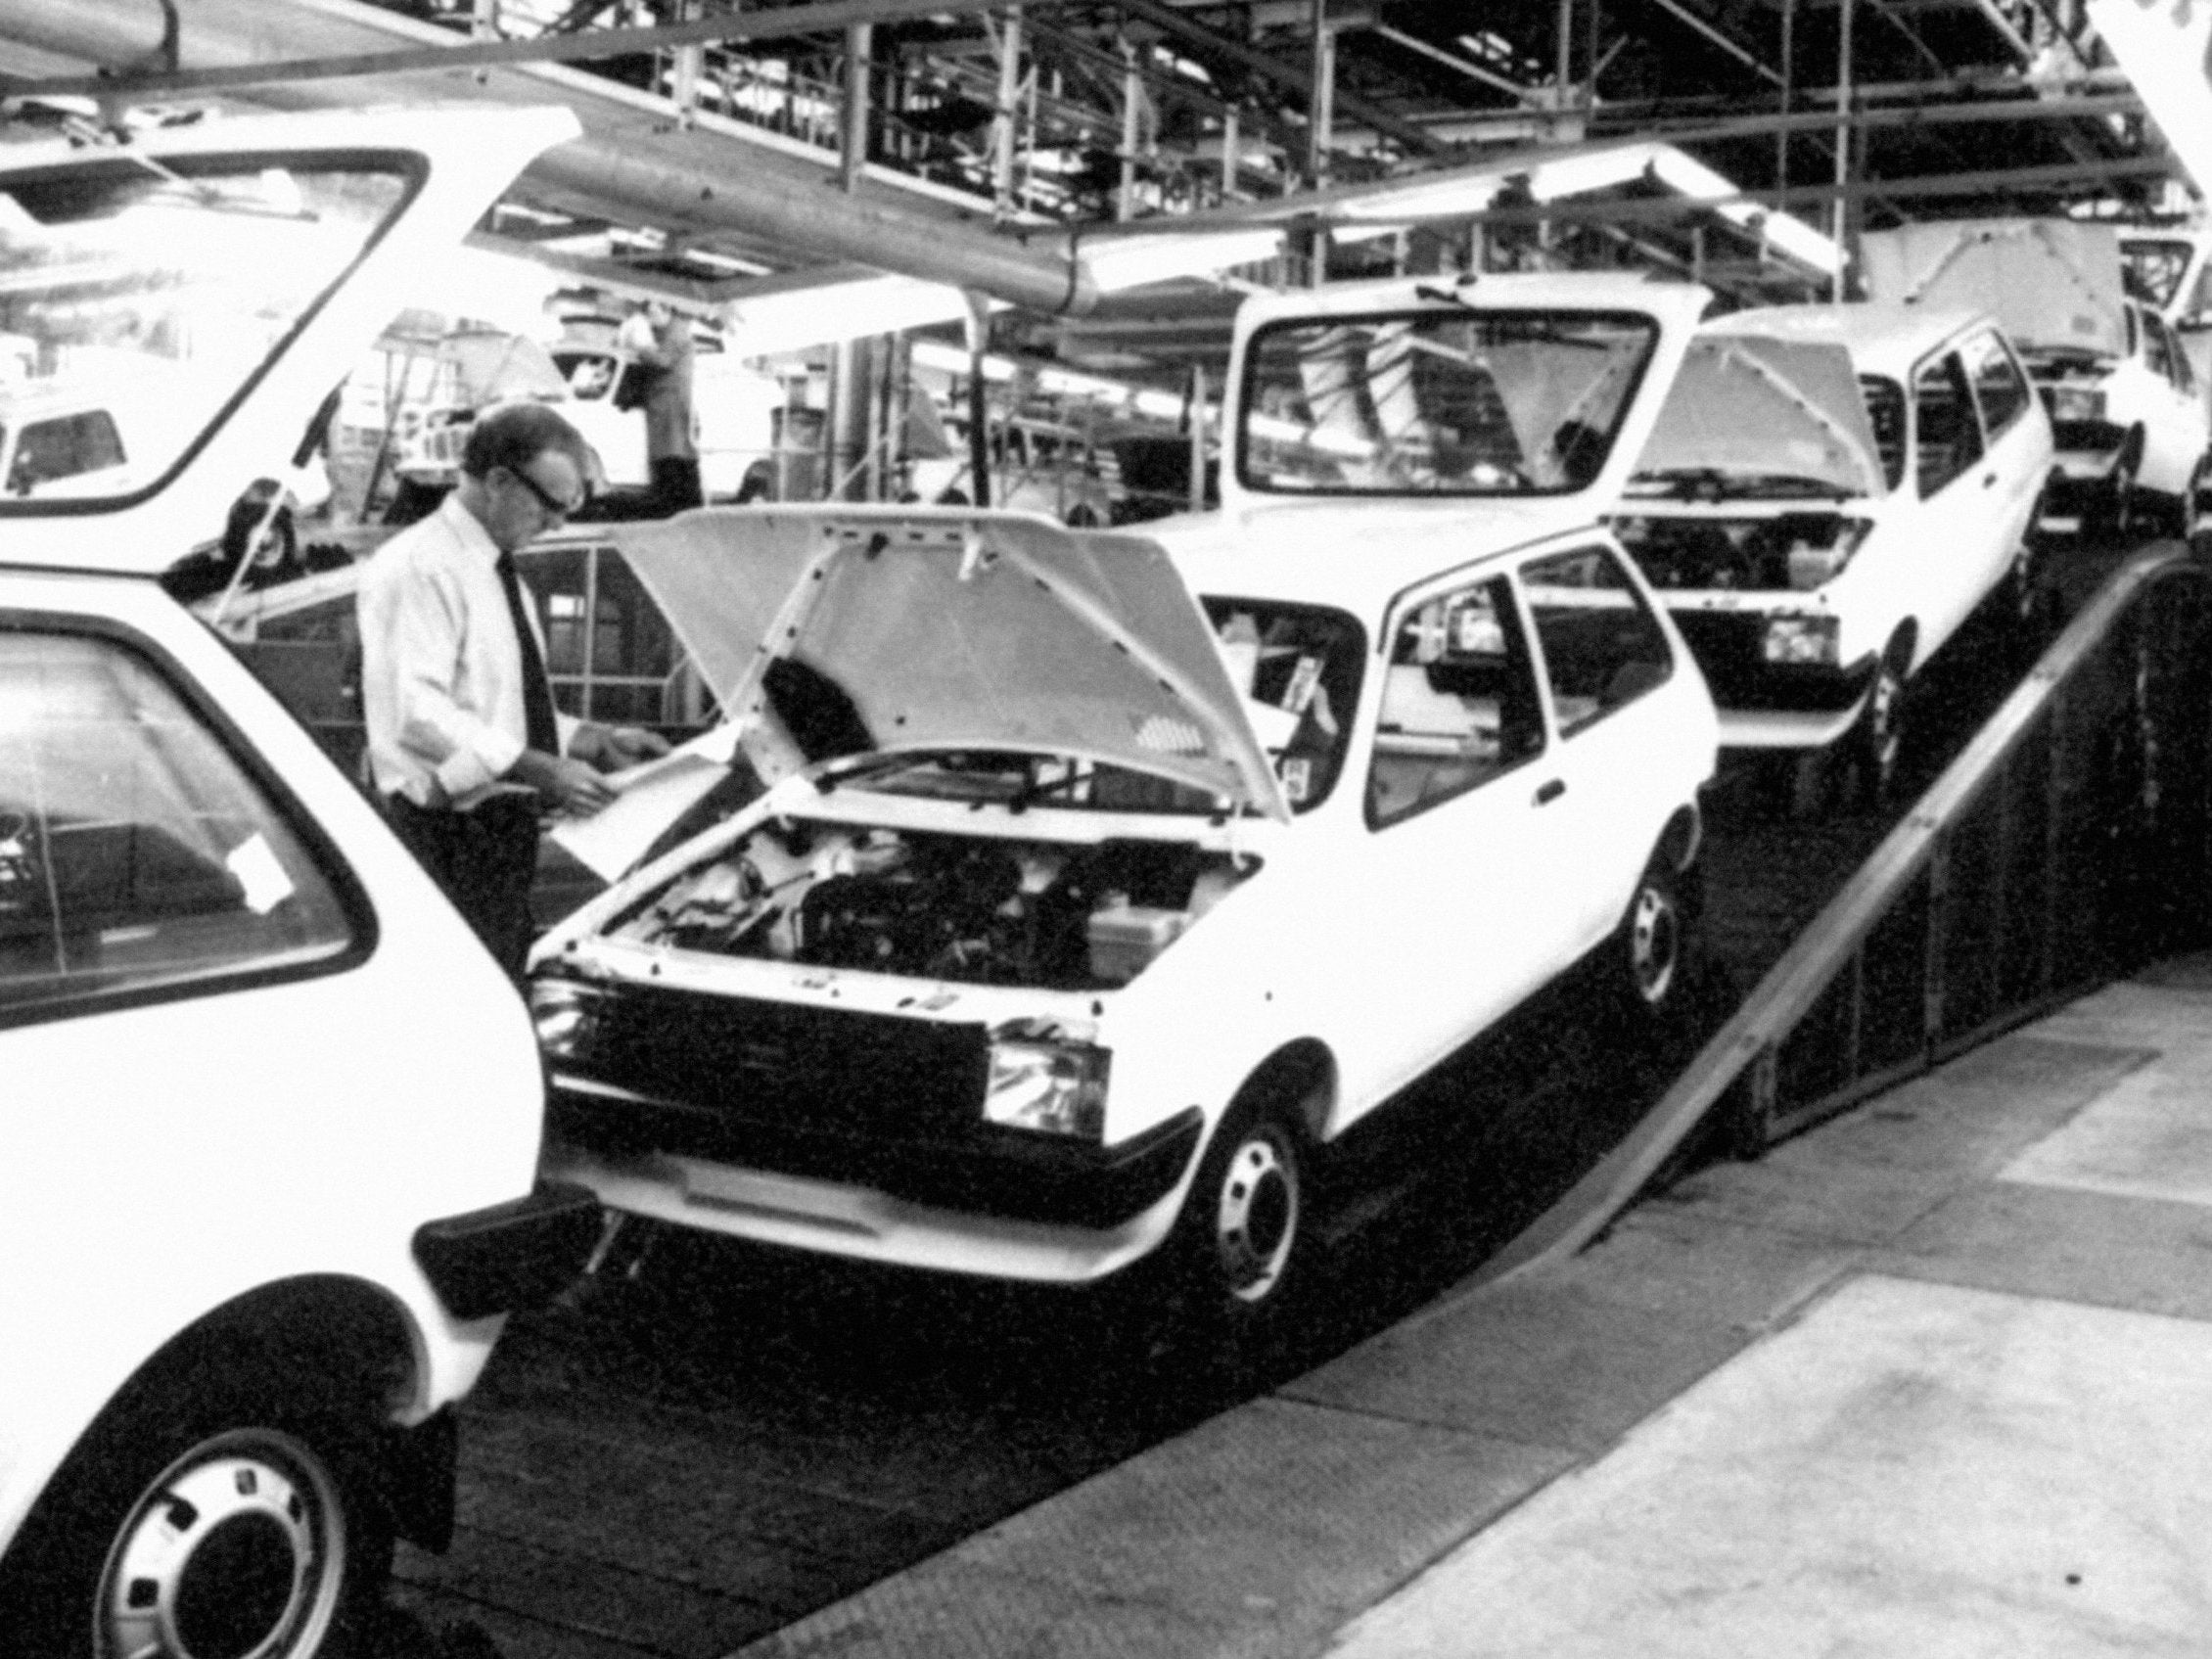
1777 229
834 311
1133 262
951 360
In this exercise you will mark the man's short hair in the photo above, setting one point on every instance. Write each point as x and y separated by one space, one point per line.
514 435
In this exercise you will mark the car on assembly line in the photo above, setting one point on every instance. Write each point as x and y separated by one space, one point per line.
269 1139
1104 884
2130 417
1828 493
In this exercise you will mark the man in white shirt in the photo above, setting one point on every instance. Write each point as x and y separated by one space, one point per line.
465 748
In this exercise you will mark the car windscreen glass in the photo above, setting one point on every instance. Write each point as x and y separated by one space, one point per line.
2152 270
142 297
1437 402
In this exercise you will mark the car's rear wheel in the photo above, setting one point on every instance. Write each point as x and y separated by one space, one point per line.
224 1522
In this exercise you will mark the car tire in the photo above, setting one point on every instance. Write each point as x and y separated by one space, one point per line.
1651 948
2113 510
2025 604
1878 742
212 1516
1240 1250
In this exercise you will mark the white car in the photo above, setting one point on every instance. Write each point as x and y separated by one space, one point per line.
1083 917
1036 466
2131 419
272 1115
1829 492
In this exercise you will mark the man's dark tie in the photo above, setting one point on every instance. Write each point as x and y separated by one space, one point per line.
540 731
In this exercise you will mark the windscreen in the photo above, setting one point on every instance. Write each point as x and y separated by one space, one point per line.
140 297
1439 402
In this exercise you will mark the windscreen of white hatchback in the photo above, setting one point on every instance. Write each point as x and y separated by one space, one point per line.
1437 402
140 298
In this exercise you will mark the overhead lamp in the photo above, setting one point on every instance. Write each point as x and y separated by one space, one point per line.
1133 262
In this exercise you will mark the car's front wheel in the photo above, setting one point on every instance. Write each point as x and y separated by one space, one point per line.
1240 1251
222 1524
1652 951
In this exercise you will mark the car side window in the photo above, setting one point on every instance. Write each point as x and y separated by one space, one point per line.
1947 439
2158 346
1601 645
136 854
64 447
1886 413
1998 385
1459 703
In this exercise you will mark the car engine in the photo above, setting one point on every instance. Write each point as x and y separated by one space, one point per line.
1784 551
972 909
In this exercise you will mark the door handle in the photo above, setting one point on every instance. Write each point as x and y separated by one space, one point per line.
1546 793
1988 479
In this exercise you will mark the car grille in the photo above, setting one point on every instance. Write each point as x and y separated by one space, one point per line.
827 1069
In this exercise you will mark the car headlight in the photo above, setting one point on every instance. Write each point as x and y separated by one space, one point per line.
1054 1087
2075 403
567 1014
1797 640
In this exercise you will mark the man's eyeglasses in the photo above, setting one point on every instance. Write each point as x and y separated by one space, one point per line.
545 497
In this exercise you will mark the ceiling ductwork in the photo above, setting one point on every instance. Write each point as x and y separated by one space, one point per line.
633 162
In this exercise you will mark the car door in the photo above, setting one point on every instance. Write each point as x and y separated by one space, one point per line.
1461 912
2173 438
2019 458
1603 657
1960 549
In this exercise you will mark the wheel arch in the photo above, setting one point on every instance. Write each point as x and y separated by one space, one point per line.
1301 1075
1682 839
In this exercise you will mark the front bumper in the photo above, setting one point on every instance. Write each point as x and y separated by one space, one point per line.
510 1256
980 1168
1766 705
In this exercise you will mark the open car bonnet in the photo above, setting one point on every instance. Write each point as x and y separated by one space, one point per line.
1743 405
2053 284
867 629
179 305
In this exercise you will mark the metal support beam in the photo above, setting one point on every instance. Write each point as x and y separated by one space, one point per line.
1726 43
1321 115
853 148
826 17
1008 108
1452 61
1169 22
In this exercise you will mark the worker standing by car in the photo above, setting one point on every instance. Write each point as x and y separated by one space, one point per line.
464 745
661 340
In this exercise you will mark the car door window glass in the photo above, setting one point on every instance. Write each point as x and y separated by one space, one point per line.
1998 385
67 446
135 853
1885 414
1948 439
2158 346
1460 701
1601 645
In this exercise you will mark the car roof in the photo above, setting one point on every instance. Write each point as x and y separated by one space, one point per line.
1883 337
1627 291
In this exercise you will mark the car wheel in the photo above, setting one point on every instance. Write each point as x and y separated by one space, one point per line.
1881 736
2113 511
219 1522
1651 949
1243 1237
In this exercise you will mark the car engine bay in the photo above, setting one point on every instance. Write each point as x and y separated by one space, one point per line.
1772 553
972 909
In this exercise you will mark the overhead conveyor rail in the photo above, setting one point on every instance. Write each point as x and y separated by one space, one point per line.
2071 838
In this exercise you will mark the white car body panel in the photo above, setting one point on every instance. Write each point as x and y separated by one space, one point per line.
1925 563
1386 947
172 1149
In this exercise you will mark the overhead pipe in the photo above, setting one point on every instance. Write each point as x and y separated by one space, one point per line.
662 179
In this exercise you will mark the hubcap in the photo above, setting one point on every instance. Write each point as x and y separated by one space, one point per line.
235 1552
1652 944
1256 1222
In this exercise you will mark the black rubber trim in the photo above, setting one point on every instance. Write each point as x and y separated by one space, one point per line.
513 1255
1019 1174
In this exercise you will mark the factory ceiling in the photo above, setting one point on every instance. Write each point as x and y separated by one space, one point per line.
1068 160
